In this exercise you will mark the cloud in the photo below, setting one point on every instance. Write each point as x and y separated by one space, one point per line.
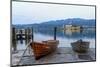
37 12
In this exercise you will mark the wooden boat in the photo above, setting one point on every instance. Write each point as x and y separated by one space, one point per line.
80 46
43 48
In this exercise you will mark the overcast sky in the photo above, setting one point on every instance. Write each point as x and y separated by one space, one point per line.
28 13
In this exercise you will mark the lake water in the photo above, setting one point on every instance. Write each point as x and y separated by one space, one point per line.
65 37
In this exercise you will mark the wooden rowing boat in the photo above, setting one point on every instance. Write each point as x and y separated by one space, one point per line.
80 46
43 48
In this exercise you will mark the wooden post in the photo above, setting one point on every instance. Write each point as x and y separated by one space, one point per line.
13 33
28 33
32 33
14 39
26 36
21 36
55 30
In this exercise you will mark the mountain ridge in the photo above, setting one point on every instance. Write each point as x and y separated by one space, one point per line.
60 23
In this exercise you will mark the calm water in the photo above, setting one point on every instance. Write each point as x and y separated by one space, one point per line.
65 37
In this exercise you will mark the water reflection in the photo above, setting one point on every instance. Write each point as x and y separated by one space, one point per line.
20 44
69 33
64 36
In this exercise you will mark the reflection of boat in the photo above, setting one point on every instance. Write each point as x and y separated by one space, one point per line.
80 46
44 48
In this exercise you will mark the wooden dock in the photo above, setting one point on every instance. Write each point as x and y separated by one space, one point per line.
61 55
22 34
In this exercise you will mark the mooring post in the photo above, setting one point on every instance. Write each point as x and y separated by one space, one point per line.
55 30
28 33
14 39
25 34
32 33
13 34
20 34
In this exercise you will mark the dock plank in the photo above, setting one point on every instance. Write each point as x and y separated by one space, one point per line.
62 54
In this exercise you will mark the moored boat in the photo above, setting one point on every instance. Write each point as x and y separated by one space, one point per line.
80 46
44 48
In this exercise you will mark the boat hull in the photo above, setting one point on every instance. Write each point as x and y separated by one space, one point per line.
44 48
80 47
